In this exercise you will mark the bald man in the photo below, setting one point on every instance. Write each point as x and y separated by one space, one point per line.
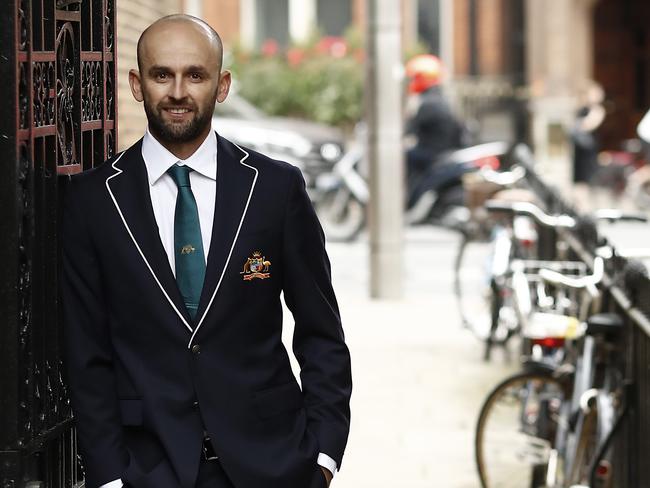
175 254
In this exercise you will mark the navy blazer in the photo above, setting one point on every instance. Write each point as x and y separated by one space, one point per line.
146 381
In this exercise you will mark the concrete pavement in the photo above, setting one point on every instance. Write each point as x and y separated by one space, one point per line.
419 379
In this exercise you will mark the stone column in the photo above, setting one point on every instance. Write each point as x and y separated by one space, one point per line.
385 151
302 19
248 23
447 48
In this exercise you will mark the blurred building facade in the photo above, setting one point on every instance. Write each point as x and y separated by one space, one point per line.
516 69
133 16
251 22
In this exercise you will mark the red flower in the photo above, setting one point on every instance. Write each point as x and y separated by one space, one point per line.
295 56
270 48
333 46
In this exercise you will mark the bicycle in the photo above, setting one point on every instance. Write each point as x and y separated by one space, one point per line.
522 420
494 244
567 409
599 398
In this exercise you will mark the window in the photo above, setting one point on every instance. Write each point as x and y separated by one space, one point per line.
272 21
334 16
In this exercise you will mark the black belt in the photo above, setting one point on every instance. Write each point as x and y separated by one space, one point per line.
208 451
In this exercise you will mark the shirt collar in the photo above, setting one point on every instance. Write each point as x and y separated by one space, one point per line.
158 159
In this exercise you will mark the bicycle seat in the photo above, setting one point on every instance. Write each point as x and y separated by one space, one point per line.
604 323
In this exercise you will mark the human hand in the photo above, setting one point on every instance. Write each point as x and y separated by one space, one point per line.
327 474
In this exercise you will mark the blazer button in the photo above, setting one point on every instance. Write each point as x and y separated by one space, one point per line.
196 349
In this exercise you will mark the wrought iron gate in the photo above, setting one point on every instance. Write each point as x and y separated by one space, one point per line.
57 65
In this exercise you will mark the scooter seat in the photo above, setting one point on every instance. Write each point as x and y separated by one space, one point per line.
604 324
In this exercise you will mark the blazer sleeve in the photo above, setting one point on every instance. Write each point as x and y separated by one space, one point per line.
88 349
318 341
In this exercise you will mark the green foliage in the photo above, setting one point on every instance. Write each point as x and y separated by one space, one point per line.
311 81
321 79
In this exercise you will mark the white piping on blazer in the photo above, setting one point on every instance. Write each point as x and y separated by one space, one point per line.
223 272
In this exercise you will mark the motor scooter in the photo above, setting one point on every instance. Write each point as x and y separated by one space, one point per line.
436 197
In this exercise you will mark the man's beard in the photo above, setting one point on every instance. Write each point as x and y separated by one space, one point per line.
177 133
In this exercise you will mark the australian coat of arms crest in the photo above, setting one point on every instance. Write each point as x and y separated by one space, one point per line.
256 267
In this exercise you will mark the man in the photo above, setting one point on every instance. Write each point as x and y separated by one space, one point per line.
175 253
436 128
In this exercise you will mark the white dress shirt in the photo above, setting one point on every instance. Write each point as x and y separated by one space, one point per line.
163 191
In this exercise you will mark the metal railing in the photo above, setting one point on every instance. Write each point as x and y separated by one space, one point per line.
626 293
58 118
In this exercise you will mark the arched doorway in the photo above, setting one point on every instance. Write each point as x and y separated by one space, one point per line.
622 65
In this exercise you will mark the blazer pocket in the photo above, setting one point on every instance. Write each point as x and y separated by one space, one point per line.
277 400
131 412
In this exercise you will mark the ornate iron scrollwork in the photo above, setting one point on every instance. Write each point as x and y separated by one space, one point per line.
23 98
24 288
44 83
108 25
110 144
91 90
66 4
22 25
65 88
110 92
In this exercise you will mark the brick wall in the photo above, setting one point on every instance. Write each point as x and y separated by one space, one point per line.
133 16
223 16
461 37
491 37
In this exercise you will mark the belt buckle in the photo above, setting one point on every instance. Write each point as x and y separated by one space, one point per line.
208 450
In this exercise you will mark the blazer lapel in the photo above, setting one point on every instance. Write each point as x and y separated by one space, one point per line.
128 187
235 185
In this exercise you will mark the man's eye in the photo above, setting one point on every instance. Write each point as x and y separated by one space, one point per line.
195 76
161 76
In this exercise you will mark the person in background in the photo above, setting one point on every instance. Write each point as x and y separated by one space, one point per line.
583 135
434 125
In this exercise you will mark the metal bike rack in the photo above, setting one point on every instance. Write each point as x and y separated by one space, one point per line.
626 293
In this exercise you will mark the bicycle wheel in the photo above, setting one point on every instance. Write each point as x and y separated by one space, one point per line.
592 428
515 433
472 286
504 322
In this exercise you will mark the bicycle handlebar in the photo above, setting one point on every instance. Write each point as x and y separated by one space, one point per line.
614 215
591 280
560 221
531 210
505 178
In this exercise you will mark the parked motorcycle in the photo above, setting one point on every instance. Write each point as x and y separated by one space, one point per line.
341 196
437 197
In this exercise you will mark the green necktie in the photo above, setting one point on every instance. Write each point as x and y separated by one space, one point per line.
188 243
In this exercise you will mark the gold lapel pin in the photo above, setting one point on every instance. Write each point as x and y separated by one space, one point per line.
187 249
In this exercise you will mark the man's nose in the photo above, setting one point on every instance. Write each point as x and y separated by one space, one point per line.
178 89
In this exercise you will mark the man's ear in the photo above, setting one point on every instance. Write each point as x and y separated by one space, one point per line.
224 85
136 84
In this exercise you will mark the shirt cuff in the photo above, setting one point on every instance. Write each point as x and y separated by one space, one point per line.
113 484
327 462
